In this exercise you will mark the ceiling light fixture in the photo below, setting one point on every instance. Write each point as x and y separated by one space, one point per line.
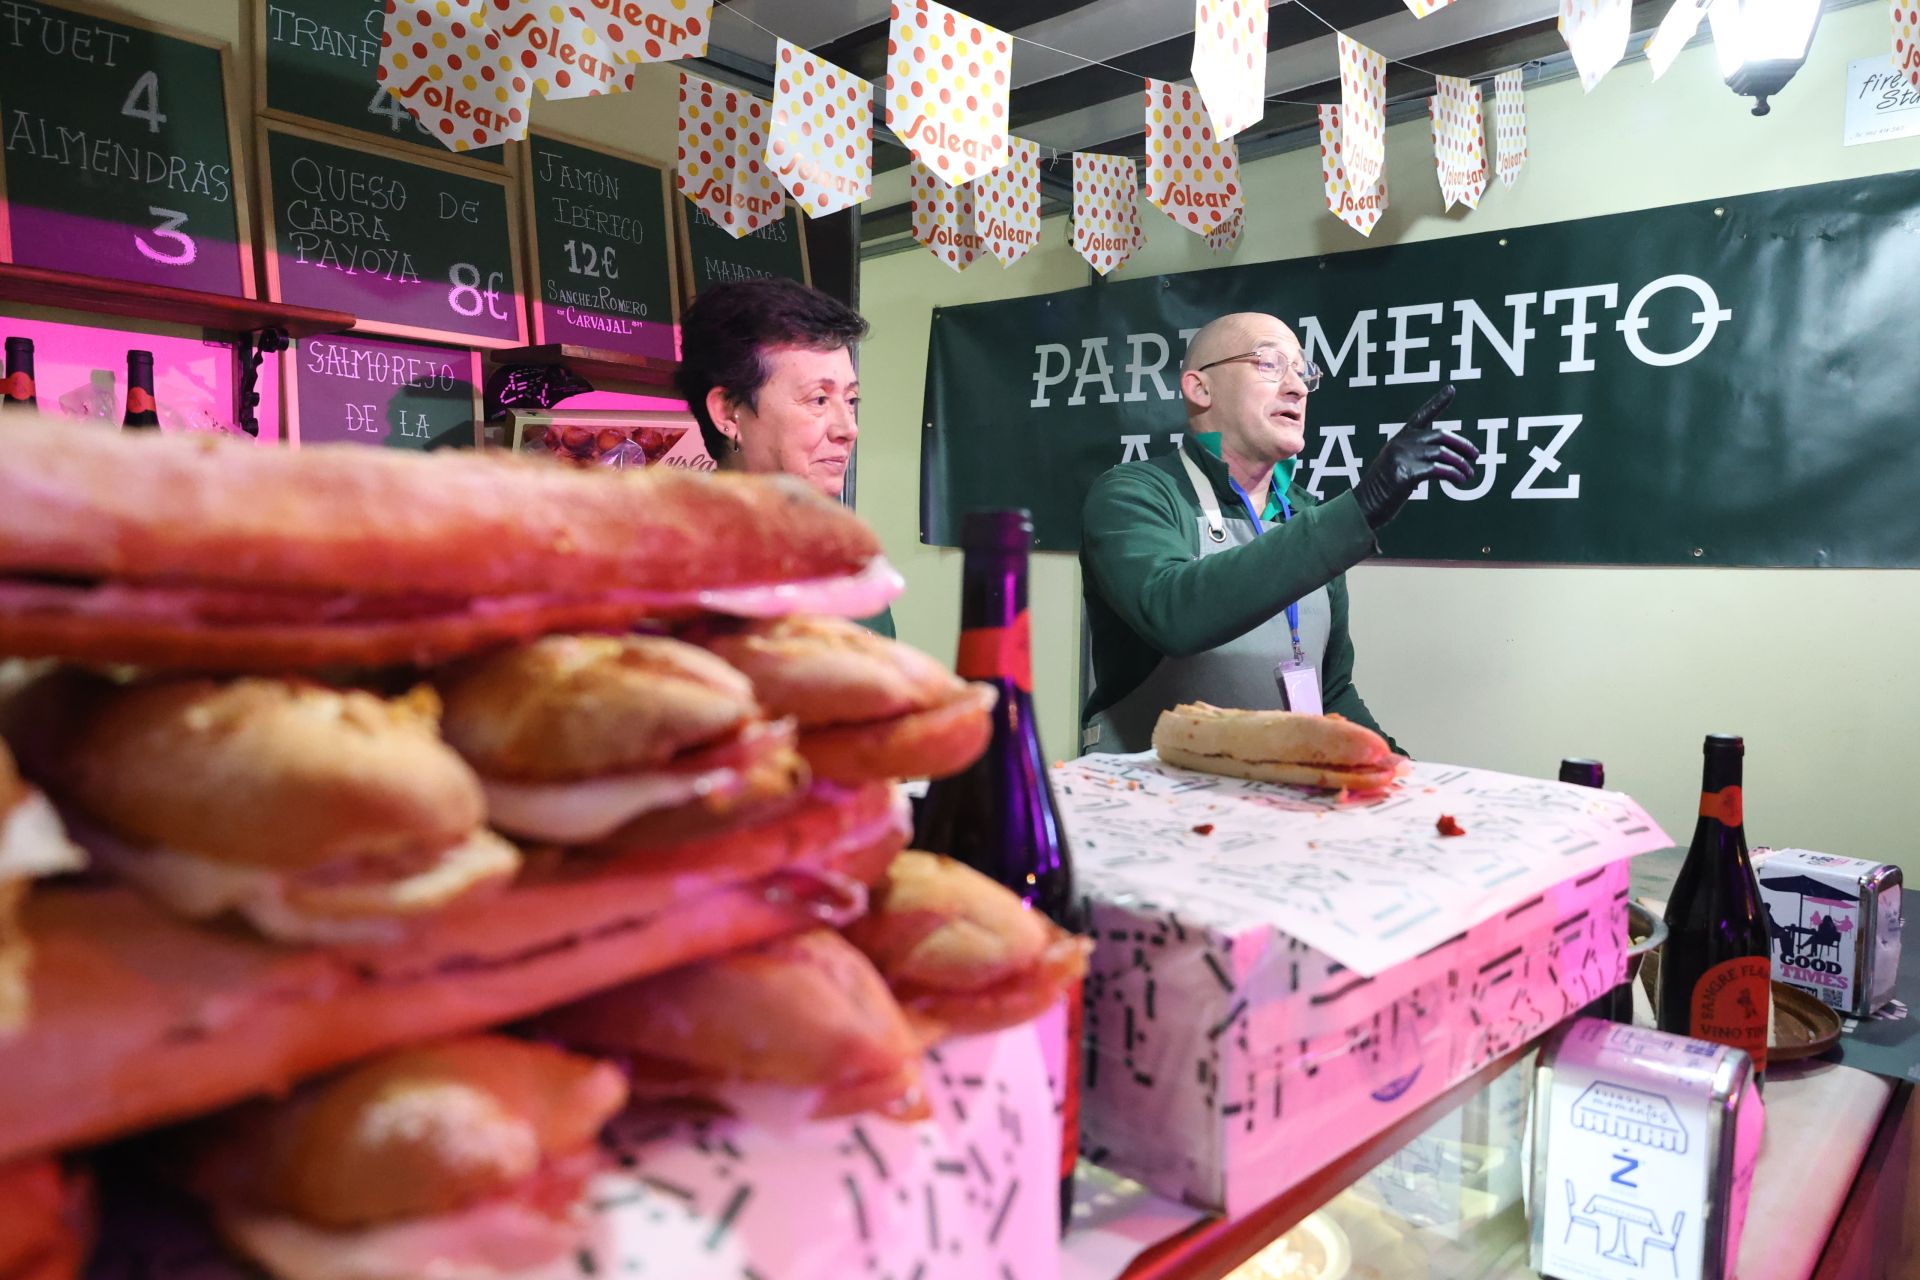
1761 43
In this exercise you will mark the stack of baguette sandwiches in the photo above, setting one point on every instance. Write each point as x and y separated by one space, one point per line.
374 827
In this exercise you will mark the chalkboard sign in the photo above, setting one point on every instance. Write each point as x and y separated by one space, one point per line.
315 59
119 151
415 247
396 395
602 258
711 255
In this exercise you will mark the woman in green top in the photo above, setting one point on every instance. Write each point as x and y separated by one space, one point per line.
767 369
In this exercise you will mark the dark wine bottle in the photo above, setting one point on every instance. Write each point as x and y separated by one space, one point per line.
1582 772
1716 968
141 409
18 386
999 816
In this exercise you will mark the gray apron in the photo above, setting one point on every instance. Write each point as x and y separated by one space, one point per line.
1237 674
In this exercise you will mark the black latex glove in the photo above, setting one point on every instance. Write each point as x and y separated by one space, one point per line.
1420 452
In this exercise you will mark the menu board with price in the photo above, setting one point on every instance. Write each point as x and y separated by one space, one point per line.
602 258
415 247
711 255
396 395
119 148
315 59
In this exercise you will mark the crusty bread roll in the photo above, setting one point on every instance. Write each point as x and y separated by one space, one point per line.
804 1012
315 813
962 953
614 740
1275 746
419 1131
868 707
33 843
46 1220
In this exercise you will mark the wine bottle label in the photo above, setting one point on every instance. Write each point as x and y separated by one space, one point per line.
998 653
139 400
1723 804
19 386
1730 1006
1070 1108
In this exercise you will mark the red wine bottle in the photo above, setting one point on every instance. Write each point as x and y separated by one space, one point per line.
1583 773
999 816
142 413
18 389
1716 968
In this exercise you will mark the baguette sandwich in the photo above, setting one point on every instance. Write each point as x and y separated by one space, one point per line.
176 552
466 1159
316 814
868 707
1276 746
32 844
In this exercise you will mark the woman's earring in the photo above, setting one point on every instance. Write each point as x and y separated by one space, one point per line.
736 444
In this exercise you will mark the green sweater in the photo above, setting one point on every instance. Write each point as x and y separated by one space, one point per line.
1149 593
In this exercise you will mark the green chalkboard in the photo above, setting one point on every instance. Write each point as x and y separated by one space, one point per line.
119 151
371 391
414 246
710 254
315 60
602 270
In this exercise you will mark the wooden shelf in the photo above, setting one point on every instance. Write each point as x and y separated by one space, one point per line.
594 364
41 287
1212 1248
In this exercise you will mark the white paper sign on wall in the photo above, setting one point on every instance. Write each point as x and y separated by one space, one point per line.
1881 103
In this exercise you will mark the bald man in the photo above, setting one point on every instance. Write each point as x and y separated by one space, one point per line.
1209 575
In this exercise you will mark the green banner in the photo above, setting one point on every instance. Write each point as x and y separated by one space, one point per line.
1733 382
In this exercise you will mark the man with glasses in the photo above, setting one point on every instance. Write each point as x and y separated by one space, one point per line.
1209 575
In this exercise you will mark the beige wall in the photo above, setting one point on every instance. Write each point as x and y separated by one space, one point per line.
1514 668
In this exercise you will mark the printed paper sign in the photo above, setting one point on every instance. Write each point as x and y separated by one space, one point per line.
1906 39
1596 35
1358 206
453 75
943 217
722 156
1006 204
1106 209
947 78
1230 62
1678 27
1191 175
1363 111
1510 123
1369 882
1881 104
1225 236
1459 140
821 146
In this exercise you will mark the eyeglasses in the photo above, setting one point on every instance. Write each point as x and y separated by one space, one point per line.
1274 367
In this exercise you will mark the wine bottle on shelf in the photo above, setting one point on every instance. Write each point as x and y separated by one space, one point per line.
999 816
142 413
19 392
1716 968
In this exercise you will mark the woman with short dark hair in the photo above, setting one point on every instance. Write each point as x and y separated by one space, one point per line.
767 369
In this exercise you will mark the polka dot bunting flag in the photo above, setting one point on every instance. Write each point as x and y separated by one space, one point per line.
942 216
1223 237
1421 8
1191 175
1510 124
1358 205
821 142
453 74
947 80
1906 38
1459 140
1006 204
560 52
1363 110
640 31
1596 34
1678 27
1106 209
1230 62
722 156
